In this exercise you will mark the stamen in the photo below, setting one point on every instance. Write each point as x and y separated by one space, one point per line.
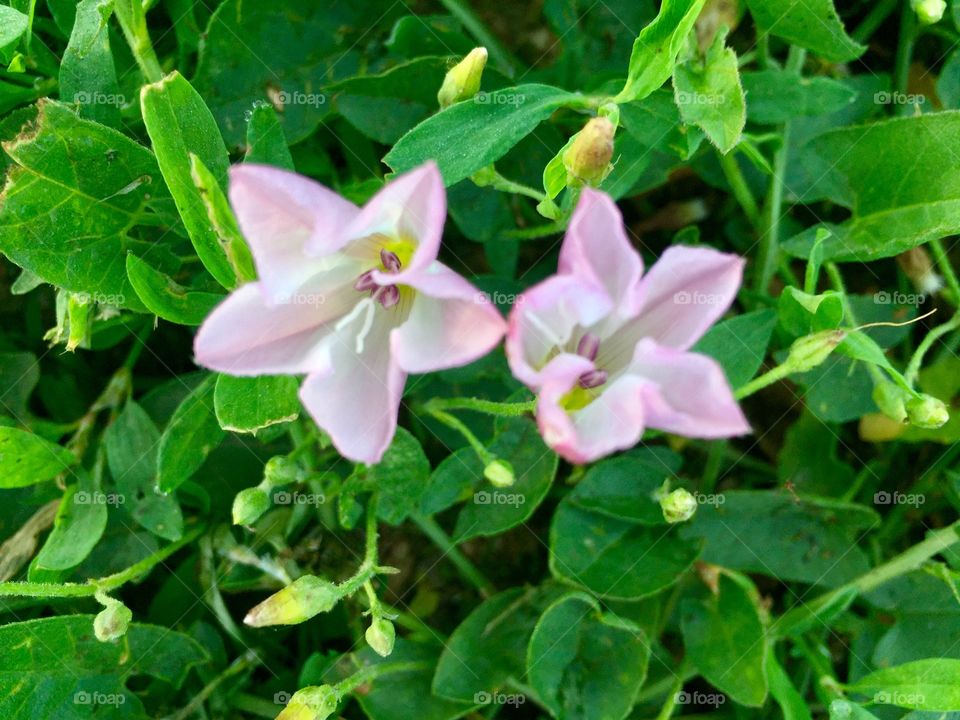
365 282
387 295
389 260
364 306
592 378
588 346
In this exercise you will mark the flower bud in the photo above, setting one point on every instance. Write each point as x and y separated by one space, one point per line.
301 600
249 505
808 352
380 636
112 622
877 427
311 703
463 80
280 470
917 265
587 160
929 11
78 321
891 399
499 473
678 506
927 412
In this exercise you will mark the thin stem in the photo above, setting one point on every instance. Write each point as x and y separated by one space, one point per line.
836 279
486 457
467 569
762 381
475 26
499 182
672 696
245 661
133 22
901 68
874 19
943 262
500 409
913 367
741 191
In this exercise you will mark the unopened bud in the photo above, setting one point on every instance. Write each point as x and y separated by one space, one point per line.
917 265
112 622
311 703
463 80
249 505
929 11
78 321
678 506
877 427
499 473
587 160
301 600
808 352
891 399
380 636
280 470
927 412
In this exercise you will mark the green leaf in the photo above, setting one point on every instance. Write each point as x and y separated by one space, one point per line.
897 176
791 702
739 344
775 96
613 558
87 74
811 24
167 299
846 710
802 314
266 142
931 684
491 644
99 181
656 47
709 95
55 668
584 664
494 510
27 459
400 478
472 134
724 637
806 539
180 125
80 522
248 404
131 442
13 25
192 433
19 374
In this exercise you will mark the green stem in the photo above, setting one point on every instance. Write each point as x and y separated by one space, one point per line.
499 182
475 26
133 22
467 569
672 696
913 367
741 191
949 276
500 409
486 457
874 19
836 279
901 68
762 381
247 660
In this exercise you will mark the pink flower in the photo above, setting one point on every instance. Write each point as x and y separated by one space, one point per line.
607 350
355 298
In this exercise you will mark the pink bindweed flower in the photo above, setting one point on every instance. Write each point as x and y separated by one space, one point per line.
607 351
355 298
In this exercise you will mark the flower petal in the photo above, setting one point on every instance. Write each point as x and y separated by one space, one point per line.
543 319
356 400
611 422
280 213
450 324
247 335
684 293
596 246
688 394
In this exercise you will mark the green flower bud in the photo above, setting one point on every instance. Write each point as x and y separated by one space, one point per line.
927 412
112 622
301 600
587 160
929 11
280 470
249 505
381 636
678 506
499 473
891 399
463 80
311 703
808 352
79 319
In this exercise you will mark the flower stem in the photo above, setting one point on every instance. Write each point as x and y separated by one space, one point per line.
913 367
949 276
500 409
486 457
467 569
741 191
133 22
762 381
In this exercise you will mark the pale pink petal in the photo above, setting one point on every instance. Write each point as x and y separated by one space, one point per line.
356 400
450 324
413 207
684 293
279 212
687 393
613 421
596 246
543 319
